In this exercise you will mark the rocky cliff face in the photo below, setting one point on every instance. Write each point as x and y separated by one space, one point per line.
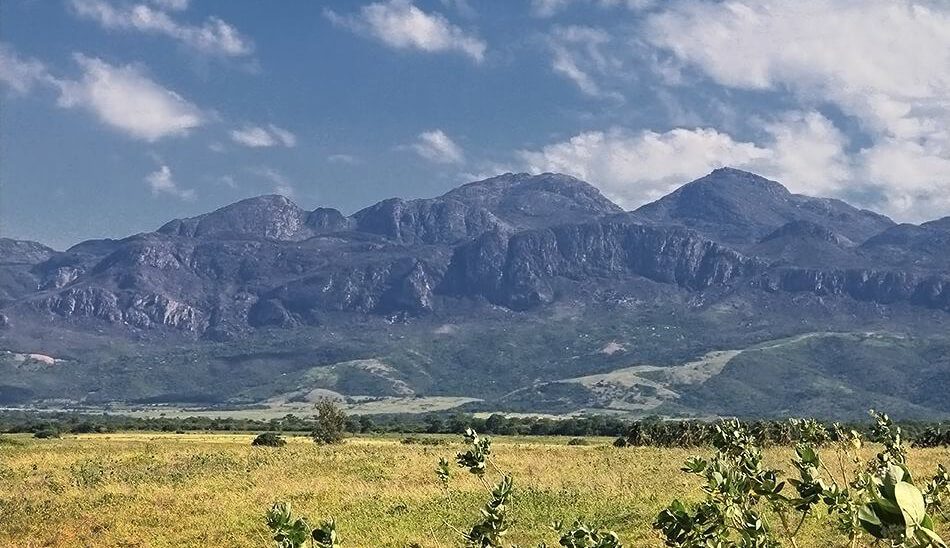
438 221
516 240
518 271
878 286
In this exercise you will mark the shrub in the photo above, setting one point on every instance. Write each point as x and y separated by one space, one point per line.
329 423
46 433
932 437
578 441
85 427
291 532
269 439
417 440
881 501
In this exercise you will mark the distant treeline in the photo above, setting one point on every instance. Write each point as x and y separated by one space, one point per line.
651 431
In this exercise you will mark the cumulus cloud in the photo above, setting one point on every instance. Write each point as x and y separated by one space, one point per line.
126 99
401 25
20 74
803 150
578 53
914 182
213 37
259 137
438 147
635 167
161 182
885 63
806 153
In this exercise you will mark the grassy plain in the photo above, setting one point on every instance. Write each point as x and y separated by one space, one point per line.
168 490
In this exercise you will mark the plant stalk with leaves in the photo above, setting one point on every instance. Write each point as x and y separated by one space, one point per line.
880 500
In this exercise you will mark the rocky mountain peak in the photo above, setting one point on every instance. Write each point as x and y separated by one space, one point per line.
271 216
730 179
23 251
738 207
526 200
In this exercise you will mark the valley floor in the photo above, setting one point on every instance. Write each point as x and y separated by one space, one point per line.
168 490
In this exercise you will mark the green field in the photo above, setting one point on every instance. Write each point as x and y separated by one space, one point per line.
168 490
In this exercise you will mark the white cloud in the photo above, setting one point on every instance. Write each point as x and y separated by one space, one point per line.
126 99
253 136
228 181
807 154
161 182
348 159
803 151
578 54
914 181
20 74
258 137
550 8
463 7
438 147
172 5
281 184
214 36
547 8
842 48
285 137
886 63
633 168
401 25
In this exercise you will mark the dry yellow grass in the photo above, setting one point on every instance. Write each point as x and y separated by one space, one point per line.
211 490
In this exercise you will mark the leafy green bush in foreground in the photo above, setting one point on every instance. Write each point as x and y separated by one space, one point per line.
880 500
743 497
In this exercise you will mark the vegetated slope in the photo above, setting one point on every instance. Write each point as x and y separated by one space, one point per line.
495 287
831 375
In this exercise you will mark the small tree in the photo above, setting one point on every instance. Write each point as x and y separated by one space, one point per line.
47 431
269 439
329 423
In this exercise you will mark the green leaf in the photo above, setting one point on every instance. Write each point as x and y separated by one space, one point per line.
893 475
867 515
911 502
883 506
926 535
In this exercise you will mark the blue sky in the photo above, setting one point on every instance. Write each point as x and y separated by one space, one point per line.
118 115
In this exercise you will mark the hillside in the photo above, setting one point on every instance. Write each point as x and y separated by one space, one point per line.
520 292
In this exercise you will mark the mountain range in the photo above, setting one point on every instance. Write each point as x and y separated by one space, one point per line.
518 293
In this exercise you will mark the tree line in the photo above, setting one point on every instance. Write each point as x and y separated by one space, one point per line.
653 431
